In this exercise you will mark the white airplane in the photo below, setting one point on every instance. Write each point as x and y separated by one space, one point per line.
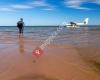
76 25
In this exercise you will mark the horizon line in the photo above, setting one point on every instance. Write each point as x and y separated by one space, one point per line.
50 25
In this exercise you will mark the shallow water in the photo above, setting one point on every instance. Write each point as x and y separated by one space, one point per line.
68 51
83 36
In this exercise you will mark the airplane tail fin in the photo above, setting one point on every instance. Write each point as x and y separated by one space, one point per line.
86 21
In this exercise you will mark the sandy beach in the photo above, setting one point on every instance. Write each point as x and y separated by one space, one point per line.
49 39
59 62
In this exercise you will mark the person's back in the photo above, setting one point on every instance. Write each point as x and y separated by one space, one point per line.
20 25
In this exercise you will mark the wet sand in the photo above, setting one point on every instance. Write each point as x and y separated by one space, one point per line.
59 62
91 56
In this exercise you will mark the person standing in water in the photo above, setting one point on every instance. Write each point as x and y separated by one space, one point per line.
20 25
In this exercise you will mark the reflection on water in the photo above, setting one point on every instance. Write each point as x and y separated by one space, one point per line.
21 44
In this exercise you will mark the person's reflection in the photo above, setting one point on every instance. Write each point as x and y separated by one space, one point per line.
21 44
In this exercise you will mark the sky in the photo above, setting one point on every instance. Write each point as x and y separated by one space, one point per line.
49 12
